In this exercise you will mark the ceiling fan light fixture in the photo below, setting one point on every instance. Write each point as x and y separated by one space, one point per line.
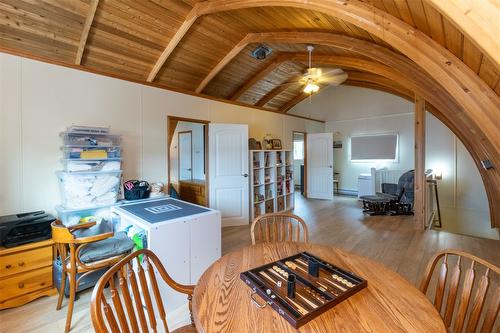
311 88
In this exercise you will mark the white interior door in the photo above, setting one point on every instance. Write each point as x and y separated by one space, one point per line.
185 155
320 165
228 172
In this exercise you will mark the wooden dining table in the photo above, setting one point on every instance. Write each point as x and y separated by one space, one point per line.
221 300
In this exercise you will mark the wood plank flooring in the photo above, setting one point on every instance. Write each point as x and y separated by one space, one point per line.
390 240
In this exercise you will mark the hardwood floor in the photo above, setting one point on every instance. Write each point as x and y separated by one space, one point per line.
390 240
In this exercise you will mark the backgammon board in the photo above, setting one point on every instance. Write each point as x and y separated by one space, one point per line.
301 287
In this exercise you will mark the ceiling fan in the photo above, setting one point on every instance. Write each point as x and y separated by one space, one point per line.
315 77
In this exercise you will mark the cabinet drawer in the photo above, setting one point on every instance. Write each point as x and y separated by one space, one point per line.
25 283
25 261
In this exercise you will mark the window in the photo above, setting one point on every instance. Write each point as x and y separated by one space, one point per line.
374 147
298 150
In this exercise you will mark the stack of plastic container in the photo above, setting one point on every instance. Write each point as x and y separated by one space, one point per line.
91 176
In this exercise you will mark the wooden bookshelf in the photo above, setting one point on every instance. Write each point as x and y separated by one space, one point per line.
271 182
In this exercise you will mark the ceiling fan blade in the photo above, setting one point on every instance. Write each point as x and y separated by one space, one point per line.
331 71
333 79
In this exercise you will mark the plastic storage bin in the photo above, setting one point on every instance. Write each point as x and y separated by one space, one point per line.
84 165
84 139
91 153
88 189
72 216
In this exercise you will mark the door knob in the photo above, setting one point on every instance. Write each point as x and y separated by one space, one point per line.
330 166
245 175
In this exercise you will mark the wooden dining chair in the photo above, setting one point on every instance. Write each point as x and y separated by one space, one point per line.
76 254
115 311
278 227
449 281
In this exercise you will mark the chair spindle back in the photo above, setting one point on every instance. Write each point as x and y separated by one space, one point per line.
278 227
123 310
456 278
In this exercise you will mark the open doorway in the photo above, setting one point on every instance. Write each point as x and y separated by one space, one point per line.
187 144
299 144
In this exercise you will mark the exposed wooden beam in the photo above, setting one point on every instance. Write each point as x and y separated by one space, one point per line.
276 91
86 29
478 20
271 66
379 87
294 101
381 81
420 181
479 101
224 61
174 41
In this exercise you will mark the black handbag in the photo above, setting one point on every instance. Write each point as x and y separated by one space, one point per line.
135 189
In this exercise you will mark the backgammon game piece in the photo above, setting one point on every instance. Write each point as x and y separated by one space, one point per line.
302 287
291 286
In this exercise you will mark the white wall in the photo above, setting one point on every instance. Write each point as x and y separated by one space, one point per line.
39 100
344 129
352 110
198 147
338 103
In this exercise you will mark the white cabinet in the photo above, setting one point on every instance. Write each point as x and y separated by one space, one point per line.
203 254
365 186
271 182
185 237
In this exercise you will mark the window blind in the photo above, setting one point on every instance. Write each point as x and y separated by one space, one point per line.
374 147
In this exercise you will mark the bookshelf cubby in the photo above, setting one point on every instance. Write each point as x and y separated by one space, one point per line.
272 184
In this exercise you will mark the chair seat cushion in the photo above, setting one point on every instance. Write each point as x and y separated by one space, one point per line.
185 329
107 248
375 198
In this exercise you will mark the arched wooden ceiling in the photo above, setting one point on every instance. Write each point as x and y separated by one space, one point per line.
177 44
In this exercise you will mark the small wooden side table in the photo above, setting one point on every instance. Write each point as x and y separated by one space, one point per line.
26 273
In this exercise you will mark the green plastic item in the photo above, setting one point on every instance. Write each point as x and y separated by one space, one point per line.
139 240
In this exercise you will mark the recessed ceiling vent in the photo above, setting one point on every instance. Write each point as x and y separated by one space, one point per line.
261 52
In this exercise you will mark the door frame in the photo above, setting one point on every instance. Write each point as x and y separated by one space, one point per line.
305 160
176 119
179 153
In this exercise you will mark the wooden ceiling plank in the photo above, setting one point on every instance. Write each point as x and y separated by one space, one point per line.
224 61
86 29
119 21
497 88
21 16
404 12
418 13
275 92
453 38
472 55
391 8
48 51
49 11
478 20
131 41
488 72
435 21
183 29
271 66
152 12
35 28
